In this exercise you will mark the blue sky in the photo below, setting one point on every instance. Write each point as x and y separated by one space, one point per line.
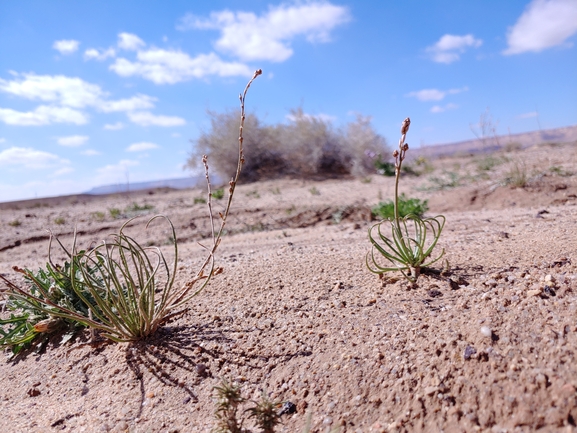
93 92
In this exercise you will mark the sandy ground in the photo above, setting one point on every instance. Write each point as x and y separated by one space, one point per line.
490 347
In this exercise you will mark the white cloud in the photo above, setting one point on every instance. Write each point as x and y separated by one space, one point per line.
543 24
64 92
174 135
169 66
138 102
90 152
62 171
449 48
72 140
72 92
114 126
527 115
139 147
2 140
100 55
434 94
30 158
42 115
146 118
66 46
441 109
130 42
268 36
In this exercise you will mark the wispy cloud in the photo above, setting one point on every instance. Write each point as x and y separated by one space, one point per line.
146 118
72 140
62 171
139 147
100 55
113 172
138 102
130 42
170 66
114 126
30 158
434 94
527 115
66 46
443 108
449 48
543 24
268 36
42 115
90 152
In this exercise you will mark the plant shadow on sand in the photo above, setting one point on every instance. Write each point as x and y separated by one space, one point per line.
174 352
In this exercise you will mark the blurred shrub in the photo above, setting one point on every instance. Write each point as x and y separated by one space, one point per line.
306 146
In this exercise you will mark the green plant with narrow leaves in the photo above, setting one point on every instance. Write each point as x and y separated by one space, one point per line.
31 319
128 289
412 239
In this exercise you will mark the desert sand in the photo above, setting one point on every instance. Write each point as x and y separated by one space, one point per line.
488 346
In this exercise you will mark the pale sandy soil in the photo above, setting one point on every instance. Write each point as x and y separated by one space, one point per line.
490 348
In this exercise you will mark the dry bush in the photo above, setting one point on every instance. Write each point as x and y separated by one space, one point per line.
306 146
261 149
363 144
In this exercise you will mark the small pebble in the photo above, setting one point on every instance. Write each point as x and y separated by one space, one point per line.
470 350
486 331
287 408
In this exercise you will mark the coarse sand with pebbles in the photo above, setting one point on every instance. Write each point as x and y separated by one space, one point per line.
489 346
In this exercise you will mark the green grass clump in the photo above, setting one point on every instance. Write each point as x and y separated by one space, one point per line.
98 216
385 168
406 206
489 162
199 200
59 221
115 212
314 191
31 319
138 209
412 239
517 176
218 194
15 223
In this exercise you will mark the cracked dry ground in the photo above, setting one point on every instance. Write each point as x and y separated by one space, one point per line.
489 348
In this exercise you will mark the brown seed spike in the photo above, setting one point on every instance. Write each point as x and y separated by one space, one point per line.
405 126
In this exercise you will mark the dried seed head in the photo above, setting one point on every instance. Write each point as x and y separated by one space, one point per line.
395 153
405 126
406 147
257 73
48 325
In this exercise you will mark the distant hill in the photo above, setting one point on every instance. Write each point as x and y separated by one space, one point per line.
178 183
566 134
